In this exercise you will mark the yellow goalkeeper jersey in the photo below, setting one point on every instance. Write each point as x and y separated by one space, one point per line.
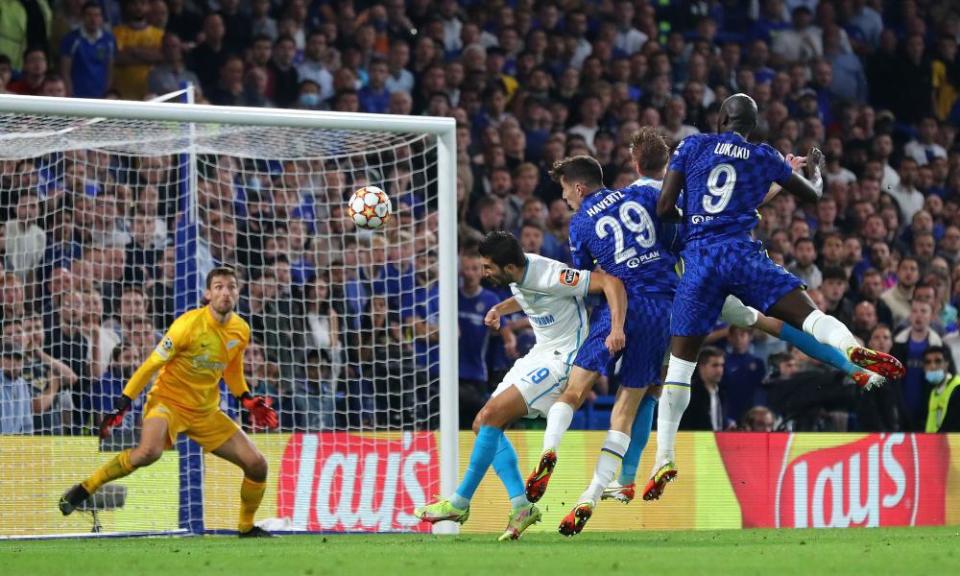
196 352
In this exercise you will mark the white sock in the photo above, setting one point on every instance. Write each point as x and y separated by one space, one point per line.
459 501
673 401
611 456
830 331
519 501
558 421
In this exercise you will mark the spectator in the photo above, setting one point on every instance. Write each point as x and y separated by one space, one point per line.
237 25
207 59
909 199
909 346
674 127
848 81
275 324
705 411
628 40
172 74
11 298
87 54
473 304
834 288
374 97
944 77
261 23
284 81
804 266
183 21
16 402
229 91
399 78
322 323
943 408
34 71
899 296
138 48
25 243
881 409
743 374
924 148
864 320
914 70
314 65
384 361
758 419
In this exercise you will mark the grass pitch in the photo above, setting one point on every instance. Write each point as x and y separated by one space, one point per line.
769 552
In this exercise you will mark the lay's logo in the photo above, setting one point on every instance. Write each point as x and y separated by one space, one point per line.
878 480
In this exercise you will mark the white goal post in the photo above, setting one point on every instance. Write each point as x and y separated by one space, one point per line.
40 136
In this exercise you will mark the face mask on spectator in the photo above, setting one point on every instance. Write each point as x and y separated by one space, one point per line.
309 100
935 376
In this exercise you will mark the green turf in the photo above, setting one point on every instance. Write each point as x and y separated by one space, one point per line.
768 552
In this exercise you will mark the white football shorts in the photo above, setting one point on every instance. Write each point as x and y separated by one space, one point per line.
540 378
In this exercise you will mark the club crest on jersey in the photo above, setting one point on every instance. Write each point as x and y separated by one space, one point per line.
165 347
569 277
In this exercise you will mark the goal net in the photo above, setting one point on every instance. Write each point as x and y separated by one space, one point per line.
113 214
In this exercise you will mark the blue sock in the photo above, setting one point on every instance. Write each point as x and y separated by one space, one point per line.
816 349
484 449
508 469
639 434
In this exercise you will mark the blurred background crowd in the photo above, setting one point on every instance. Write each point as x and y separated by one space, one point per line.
88 245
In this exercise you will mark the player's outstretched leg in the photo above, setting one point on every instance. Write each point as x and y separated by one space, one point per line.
739 314
623 489
523 513
153 439
797 309
559 418
240 450
500 411
457 506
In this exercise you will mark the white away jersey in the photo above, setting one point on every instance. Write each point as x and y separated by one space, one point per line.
551 294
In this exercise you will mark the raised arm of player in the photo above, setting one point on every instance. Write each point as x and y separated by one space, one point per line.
810 187
797 163
613 290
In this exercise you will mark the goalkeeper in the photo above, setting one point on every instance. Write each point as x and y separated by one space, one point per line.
201 347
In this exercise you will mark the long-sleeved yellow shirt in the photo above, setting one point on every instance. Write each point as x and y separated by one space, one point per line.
196 352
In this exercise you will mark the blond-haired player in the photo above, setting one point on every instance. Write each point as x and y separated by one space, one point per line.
200 348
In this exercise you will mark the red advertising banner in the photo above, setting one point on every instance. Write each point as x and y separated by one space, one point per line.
342 482
834 481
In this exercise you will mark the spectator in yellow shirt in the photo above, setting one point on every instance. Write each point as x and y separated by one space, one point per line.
139 47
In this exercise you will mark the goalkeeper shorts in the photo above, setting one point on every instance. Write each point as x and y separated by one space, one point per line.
208 429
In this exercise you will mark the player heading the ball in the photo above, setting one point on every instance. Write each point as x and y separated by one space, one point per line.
200 348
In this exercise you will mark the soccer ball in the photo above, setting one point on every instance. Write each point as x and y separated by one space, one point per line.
369 207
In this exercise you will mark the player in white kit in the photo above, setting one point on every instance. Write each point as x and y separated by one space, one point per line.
551 295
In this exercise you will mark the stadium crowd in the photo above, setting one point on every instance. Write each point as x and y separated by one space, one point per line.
89 258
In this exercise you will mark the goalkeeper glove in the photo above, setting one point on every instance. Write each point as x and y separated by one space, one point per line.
261 414
120 408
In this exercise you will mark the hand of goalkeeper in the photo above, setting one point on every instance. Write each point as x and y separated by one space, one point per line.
261 414
121 407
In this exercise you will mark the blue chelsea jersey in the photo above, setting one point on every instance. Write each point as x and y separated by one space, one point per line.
725 178
618 230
